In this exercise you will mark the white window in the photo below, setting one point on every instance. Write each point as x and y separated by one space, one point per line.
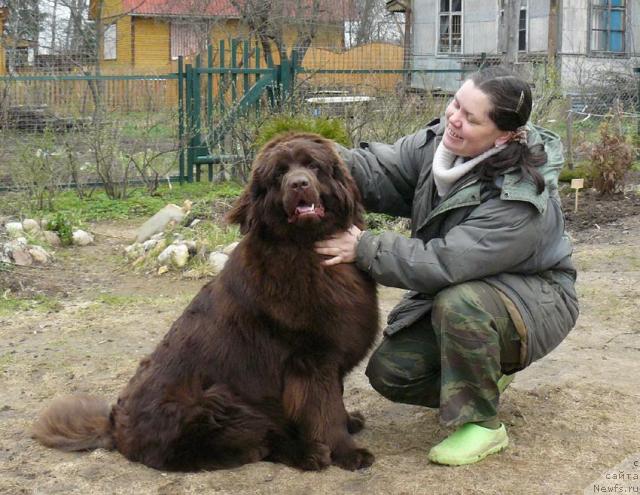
523 28
109 42
450 26
187 38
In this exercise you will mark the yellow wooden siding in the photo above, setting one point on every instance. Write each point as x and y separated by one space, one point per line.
151 45
370 56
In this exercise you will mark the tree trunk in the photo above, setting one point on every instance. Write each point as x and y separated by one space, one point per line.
512 23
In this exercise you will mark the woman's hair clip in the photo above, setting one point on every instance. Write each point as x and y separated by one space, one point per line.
520 102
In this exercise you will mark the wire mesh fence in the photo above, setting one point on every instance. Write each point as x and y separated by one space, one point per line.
121 127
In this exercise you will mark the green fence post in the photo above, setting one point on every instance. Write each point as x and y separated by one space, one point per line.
257 64
234 75
197 120
209 87
181 139
223 79
189 107
245 65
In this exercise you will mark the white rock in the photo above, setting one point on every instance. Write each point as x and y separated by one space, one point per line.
157 223
150 244
21 257
163 269
52 238
158 236
30 225
39 255
195 222
14 229
228 249
82 238
217 261
133 251
19 244
176 254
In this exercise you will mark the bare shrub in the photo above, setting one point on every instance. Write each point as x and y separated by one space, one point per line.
611 158
38 169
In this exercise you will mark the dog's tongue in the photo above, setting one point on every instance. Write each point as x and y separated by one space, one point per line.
305 209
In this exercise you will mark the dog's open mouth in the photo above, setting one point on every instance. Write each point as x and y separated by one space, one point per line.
306 211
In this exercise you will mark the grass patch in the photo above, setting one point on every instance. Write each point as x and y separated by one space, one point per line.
100 207
10 305
117 300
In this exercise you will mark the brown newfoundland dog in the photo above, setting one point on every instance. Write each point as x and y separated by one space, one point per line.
253 369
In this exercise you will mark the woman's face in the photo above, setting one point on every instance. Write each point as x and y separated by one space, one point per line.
469 130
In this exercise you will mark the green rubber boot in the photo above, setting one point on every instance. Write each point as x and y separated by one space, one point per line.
504 381
468 444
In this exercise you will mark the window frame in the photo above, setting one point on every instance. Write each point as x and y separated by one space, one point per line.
593 12
110 35
450 15
524 8
501 29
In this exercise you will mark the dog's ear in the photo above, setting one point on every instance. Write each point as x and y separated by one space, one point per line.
242 212
347 193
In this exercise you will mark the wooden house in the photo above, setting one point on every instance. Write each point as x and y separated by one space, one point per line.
584 37
147 36
3 16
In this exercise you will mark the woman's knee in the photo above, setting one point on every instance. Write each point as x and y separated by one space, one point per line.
404 376
470 305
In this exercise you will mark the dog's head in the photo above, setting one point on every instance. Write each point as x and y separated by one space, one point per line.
299 187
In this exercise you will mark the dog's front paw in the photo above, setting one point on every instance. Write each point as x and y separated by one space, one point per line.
354 459
316 457
355 422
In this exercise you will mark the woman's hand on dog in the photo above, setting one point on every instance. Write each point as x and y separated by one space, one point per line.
342 247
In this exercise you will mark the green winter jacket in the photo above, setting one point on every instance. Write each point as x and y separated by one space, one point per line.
503 233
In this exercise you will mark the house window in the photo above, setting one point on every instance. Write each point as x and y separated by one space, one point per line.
450 40
522 30
608 18
109 42
188 38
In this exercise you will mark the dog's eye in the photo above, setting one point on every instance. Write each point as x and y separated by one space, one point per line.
313 167
280 171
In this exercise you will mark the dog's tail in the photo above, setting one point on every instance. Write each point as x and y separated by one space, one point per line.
79 422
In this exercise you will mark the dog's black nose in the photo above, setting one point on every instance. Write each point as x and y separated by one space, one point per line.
298 181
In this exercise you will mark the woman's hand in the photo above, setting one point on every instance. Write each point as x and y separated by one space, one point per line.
341 246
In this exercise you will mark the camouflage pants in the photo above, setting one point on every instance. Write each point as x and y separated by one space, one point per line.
453 359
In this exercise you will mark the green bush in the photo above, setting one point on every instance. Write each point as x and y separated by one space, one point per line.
333 129
62 224
579 171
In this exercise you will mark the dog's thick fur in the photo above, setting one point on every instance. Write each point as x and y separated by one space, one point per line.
253 369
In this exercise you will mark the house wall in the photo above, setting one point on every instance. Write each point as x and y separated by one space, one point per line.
577 67
480 34
151 45
112 14
2 57
144 43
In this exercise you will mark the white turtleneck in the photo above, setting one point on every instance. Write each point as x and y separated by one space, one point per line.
448 167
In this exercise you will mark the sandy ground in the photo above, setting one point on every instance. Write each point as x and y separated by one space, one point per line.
571 417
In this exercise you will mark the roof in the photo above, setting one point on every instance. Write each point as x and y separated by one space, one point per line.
331 10
204 8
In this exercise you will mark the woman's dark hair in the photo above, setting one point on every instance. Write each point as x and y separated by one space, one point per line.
511 100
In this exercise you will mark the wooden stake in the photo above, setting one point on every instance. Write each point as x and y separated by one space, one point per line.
577 184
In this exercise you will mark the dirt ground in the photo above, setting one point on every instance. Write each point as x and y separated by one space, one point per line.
571 417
